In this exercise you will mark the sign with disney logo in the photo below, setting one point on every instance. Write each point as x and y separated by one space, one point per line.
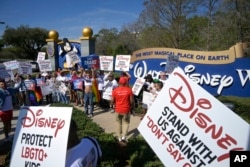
186 126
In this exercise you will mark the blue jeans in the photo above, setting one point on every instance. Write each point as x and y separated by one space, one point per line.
88 102
63 98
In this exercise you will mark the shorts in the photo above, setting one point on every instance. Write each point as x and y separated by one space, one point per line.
6 116
79 94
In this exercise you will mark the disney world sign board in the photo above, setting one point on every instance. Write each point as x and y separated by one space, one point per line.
186 126
41 136
220 73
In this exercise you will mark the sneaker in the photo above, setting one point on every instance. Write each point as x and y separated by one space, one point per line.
112 110
90 115
123 138
120 139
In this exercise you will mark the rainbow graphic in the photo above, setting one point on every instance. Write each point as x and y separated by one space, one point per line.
95 91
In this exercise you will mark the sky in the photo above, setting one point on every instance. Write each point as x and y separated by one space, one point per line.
69 17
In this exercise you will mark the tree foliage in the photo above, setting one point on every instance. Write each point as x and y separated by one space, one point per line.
28 41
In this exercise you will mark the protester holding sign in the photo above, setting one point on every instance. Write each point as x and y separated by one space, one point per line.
81 152
109 85
122 98
6 106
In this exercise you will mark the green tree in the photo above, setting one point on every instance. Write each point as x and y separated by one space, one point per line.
166 20
106 41
29 41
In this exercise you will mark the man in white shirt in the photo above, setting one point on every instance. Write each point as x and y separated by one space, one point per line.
110 84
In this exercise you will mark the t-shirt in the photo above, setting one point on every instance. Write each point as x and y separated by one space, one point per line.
121 96
83 154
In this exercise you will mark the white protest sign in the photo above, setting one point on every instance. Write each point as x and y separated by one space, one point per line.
72 58
45 65
138 86
63 88
47 88
147 99
40 56
11 64
40 136
122 62
25 68
107 93
106 63
187 126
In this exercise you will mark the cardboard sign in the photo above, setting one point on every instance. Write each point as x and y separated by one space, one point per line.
106 63
72 58
45 65
40 136
147 99
25 68
39 82
30 84
40 56
187 126
138 86
78 84
122 62
47 88
11 65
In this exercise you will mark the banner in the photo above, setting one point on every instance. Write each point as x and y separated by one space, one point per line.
122 62
106 63
139 82
41 135
187 126
91 61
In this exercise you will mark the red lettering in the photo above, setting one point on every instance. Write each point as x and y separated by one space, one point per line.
33 153
32 119
184 100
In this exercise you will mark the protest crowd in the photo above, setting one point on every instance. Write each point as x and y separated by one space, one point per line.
84 88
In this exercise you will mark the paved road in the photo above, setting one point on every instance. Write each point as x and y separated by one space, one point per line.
106 120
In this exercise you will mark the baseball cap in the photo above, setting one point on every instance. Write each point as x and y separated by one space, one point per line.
123 80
